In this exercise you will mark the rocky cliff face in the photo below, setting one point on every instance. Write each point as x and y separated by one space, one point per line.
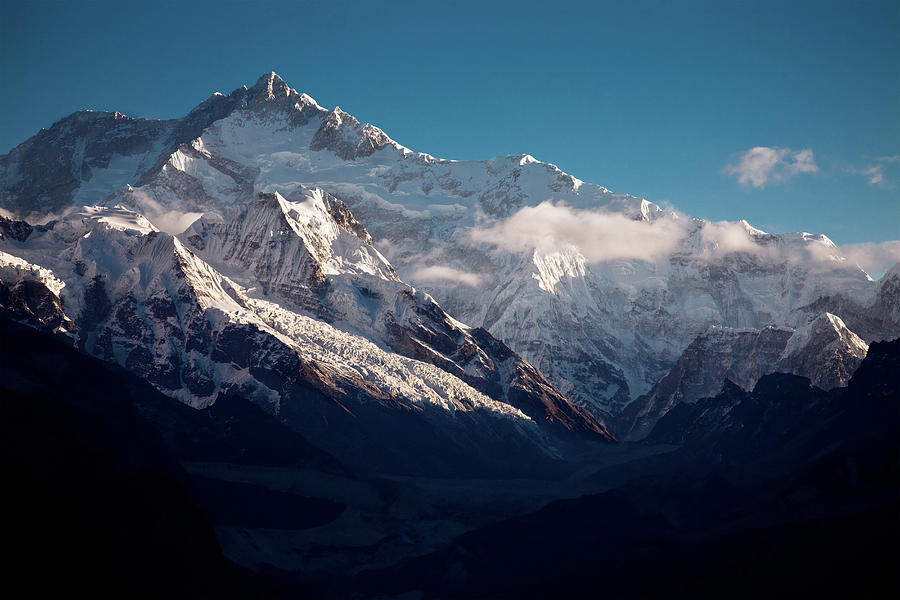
738 424
885 310
825 351
873 318
721 355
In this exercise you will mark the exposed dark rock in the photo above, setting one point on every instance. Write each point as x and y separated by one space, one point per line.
91 481
738 356
33 303
342 134
17 230
824 350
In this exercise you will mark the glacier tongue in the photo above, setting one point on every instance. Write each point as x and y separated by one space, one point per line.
147 302
309 255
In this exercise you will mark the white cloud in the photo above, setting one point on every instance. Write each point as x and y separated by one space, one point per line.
724 237
162 217
598 235
874 258
874 175
437 273
755 166
388 249
877 172
173 221
815 251
803 163
761 165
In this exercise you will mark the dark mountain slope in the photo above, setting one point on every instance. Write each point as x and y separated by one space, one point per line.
95 495
795 494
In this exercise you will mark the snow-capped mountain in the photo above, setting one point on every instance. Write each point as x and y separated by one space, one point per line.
877 320
601 292
312 254
318 313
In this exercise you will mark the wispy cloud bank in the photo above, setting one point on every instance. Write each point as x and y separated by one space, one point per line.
598 235
436 273
874 258
164 218
875 175
725 237
875 171
761 165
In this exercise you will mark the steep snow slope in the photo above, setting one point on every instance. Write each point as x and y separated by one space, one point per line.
141 298
148 303
311 255
600 291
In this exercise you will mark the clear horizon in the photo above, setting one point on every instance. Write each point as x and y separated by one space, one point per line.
787 116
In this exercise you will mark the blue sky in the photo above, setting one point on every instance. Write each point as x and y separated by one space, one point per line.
658 99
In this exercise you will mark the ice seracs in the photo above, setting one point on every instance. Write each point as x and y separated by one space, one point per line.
147 302
274 300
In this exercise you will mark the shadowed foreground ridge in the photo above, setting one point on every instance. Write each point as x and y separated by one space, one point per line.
794 495
792 491
95 496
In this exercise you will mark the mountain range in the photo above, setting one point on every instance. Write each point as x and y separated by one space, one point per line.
310 221
350 369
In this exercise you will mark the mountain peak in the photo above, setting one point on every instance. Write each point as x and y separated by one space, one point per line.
751 230
307 100
271 86
270 78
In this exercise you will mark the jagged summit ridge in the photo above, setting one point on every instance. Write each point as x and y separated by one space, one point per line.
273 86
268 299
